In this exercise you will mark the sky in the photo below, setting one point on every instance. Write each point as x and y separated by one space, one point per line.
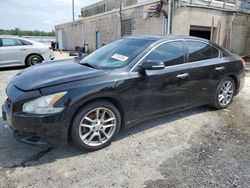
40 15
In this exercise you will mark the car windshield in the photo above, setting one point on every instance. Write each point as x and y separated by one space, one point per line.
116 54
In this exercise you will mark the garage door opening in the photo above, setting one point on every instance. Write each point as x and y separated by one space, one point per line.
200 31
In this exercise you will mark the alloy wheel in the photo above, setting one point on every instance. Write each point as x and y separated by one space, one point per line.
97 126
35 60
226 93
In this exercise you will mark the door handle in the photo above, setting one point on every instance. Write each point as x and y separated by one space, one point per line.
184 75
220 68
23 49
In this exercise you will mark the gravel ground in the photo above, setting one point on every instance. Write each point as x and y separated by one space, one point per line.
200 147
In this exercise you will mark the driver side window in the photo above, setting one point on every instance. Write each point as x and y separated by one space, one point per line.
171 53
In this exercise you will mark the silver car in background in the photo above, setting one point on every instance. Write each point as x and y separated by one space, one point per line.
17 51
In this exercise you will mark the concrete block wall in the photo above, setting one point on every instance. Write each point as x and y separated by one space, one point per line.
108 25
184 17
234 30
72 34
240 40
141 25
105 5
84 31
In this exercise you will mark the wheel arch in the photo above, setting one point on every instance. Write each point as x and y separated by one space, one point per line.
236 82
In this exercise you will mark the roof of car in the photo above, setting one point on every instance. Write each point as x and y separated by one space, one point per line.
10 36
20 38
15 37
166 37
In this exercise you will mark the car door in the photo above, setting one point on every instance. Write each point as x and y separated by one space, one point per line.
13 51
204 63
161 90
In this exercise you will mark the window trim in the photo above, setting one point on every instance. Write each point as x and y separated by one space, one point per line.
185 49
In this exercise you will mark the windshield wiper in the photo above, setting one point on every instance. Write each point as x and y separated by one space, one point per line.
88 65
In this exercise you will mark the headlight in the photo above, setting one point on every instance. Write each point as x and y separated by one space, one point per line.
44 105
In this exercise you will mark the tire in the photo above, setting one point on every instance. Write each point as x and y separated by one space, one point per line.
220 101
82 127
34 59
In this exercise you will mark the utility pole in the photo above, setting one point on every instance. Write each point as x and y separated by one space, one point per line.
120 12
73 9
169 17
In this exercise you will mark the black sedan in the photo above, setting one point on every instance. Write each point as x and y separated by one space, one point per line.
118 85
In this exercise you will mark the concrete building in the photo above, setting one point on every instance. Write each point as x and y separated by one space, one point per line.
225 22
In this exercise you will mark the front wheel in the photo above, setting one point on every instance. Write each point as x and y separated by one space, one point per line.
34 59
96 125
224 93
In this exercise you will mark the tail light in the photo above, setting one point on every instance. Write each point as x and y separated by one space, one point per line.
243 62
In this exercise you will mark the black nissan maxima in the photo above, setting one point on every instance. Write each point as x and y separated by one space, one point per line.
120 84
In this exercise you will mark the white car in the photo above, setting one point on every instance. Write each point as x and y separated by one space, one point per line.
17 51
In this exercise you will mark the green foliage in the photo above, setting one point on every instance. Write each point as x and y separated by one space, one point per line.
20 32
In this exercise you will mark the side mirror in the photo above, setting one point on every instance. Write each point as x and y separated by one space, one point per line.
152 65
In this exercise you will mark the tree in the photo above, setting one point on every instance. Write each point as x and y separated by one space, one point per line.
18 31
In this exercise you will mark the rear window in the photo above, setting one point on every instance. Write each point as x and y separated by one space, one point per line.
25 42
199 51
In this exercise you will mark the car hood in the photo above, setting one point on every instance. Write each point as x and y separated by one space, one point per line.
53 73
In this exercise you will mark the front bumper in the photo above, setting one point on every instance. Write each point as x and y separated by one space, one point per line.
34 129
50 55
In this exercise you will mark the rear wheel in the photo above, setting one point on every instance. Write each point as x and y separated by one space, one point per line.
224 93
34 59
96 125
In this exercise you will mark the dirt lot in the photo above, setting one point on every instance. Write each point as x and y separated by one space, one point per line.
200 147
